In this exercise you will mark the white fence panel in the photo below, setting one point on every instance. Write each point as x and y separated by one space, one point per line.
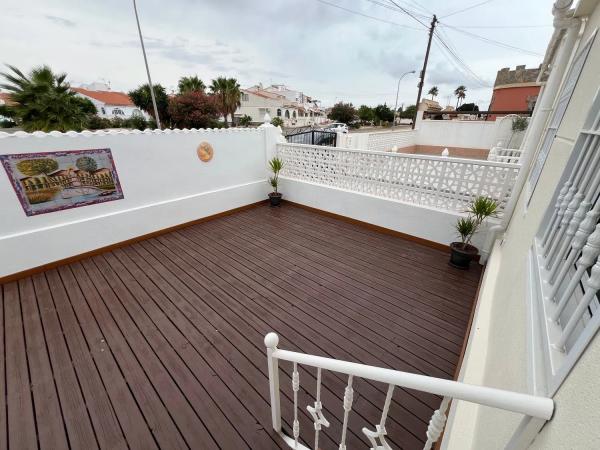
438 182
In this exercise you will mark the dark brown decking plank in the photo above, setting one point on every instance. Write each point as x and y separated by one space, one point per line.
22 431
201 378
413 288
243 326
414 255
338 242
50 425
369 277
101 410
232 283
387 317
130 418
145 341
363 279
3 430
155 412
332 305
407 420
76 416
239 328
237 399
177 323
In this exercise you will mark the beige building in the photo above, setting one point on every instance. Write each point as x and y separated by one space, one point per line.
536 322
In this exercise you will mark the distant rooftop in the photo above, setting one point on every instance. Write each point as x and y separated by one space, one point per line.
108 97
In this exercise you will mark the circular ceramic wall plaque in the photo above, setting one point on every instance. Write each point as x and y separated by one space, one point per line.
205 152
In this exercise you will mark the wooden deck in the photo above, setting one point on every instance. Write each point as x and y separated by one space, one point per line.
160 343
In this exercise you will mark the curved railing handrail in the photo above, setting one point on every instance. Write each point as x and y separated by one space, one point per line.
540 407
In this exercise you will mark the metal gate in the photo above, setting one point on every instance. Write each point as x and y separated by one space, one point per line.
313 137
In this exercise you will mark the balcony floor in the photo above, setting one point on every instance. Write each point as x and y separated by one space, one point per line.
160 343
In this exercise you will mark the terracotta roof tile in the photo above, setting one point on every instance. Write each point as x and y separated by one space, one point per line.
108 97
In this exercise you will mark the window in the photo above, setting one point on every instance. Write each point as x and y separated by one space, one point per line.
103 110
564 264
245 97
279 113
559 111
287 114
118 112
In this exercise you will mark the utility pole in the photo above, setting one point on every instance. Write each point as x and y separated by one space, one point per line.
147 69
422 78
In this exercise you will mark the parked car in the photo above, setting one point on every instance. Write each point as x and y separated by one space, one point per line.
338 127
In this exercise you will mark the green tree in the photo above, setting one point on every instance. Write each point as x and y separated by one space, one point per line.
228 94
86 164
277 121
190 84
433 92
342 112
194 110
461 93
142 99
366 114
383 113
38 166
44 101
245 120
409 112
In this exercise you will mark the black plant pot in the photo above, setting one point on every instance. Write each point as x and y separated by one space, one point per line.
461 255
275 198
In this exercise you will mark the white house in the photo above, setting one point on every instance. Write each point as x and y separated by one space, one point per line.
256 101
111 104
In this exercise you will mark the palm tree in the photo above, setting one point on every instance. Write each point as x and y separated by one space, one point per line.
461 93
228 94
44 101
433 92
190 84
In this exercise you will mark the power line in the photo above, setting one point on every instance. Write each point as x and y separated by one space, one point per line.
393 8
407 12
500 26
491 41
421 7
466 9
351 11
450 53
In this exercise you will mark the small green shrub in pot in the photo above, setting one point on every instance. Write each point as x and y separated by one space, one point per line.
462 253
275 164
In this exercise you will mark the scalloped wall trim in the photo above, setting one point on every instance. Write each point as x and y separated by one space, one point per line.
113 132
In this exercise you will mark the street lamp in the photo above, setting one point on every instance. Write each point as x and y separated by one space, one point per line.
397 92
147 69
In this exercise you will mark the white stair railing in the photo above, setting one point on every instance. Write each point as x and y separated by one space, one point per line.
536 410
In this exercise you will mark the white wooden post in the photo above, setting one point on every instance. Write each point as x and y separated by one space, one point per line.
271 341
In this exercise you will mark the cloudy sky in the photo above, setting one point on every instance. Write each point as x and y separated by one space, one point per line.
311 45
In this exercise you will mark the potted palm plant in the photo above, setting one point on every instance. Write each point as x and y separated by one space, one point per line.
275 165
462 253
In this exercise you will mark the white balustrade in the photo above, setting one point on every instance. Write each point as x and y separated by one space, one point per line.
564 262
536 410
434 181
508 155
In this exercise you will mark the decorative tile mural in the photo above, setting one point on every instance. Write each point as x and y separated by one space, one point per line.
47 182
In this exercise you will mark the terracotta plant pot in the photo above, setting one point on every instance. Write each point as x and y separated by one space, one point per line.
461 255
275 198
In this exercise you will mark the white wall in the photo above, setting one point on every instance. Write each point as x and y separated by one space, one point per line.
427 223
163 181
458 133
497 354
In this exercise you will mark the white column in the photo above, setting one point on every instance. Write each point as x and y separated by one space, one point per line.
271 341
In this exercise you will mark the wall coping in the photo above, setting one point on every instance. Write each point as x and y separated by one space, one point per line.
121 131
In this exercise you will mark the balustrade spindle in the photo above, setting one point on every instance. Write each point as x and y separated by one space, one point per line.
296 388
568 227
317 411
348 397
592 287
555 220
586 228
436 424
589 255
380 431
